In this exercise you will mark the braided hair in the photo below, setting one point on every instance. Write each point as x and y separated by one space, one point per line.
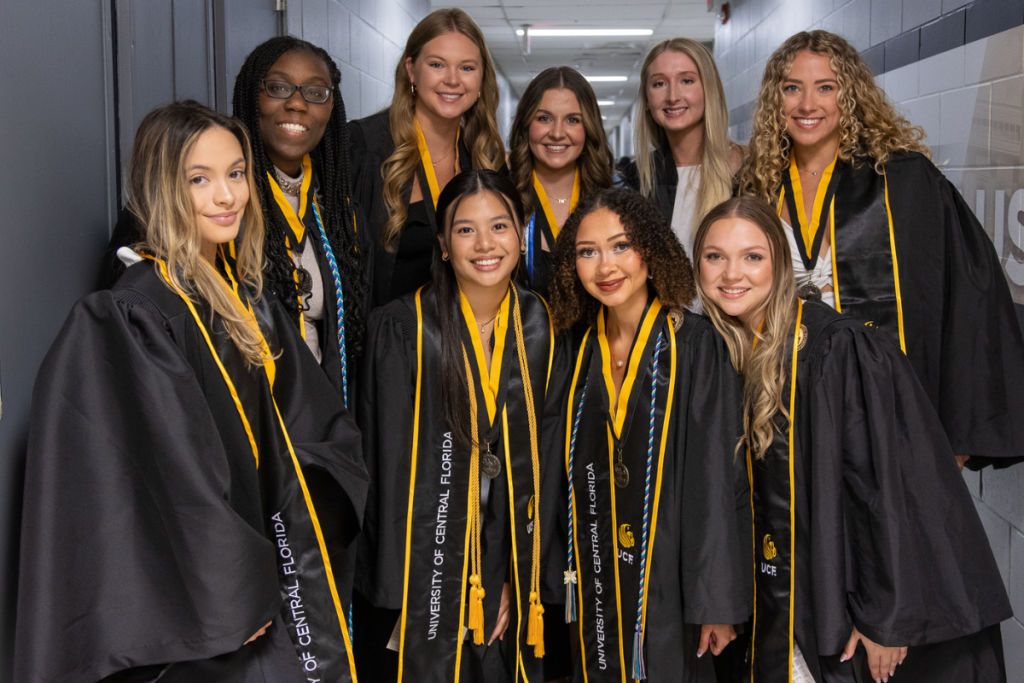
336 188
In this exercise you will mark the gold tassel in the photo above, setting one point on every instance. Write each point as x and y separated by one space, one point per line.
476 610
535 630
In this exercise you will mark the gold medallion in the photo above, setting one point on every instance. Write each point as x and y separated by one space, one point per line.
490 466
621 475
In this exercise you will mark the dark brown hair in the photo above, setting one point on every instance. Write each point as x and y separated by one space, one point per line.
595 162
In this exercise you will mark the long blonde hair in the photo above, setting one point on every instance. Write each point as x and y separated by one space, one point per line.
160 199
595 162
715 171
870 128
764 367
480 120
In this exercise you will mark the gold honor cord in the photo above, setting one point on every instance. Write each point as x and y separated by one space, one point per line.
545 203
342 623
412 481
535 630
476 591
296 224
792 491
428 165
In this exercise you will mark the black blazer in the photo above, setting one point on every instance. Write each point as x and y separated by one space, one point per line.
371 145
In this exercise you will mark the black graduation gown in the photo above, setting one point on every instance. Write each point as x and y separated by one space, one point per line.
698 501
666 181
945 295
413 556
372 144
151 535
886 535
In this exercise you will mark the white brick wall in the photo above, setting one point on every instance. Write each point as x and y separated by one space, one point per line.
365 38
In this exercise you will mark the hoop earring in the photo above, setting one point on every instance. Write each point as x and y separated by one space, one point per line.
522 249
412 88
444 256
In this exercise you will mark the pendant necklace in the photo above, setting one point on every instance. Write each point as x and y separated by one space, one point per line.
490 466
435 163
485 324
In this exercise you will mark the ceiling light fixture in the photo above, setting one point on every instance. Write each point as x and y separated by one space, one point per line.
606 79
606 103
584 32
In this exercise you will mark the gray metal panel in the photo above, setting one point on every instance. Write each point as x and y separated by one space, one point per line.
247 23
193 51
56 203
165 53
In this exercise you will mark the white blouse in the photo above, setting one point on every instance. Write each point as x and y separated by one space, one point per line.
820 275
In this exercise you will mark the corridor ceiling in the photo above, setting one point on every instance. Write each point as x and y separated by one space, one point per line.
592 56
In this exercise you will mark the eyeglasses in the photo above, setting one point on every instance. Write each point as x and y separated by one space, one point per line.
282 90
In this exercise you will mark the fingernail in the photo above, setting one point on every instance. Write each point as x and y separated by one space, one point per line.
699 654
842 659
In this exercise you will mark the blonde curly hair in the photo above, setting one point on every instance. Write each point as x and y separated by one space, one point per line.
870 128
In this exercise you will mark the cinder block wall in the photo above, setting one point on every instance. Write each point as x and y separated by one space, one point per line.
366 39
956 68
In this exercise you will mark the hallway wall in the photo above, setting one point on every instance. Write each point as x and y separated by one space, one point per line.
956 68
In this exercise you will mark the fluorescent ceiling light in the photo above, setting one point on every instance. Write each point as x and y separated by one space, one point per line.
606 79
606 103
584 32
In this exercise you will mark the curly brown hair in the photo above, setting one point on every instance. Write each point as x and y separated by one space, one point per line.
668 267
870 128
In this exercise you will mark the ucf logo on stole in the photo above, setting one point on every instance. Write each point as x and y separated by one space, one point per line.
768 548
625 541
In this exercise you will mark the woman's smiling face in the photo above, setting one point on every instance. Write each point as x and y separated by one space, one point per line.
736 268
610 269
483 242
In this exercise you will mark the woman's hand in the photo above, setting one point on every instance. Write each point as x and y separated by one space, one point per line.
258 633
502 623
881 660
717 636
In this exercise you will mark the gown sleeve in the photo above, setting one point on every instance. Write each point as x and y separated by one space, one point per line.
716 518
906 548
982 404
131 554
964 338
385 417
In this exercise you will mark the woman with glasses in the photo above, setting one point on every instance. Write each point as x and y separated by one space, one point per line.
441 122
287 95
